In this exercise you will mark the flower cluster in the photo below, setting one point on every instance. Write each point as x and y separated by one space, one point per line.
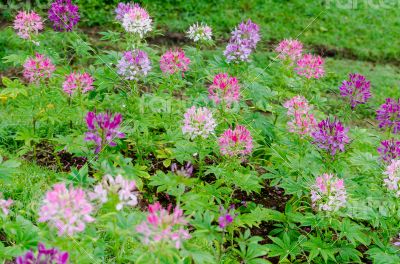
44 256
242 42
392 181
389 115
289 50
331 136
186 171
236 142
198 122
64 15
123 189
302 121
5 205
389 150
134 64
103 129
224 89
135 19
226 216
174 61
357 89
78 82
163 226
310 66
38 68
328 193
27 24
199 32
67 210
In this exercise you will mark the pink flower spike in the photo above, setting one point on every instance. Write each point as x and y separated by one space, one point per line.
5 205
78 82
289 50
310 66
174 61
198 122
392 182
328 193
27 24
302 121
236 142
224 89
38 68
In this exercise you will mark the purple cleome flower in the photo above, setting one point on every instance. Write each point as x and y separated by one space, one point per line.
389 150
134 64
389 115
64 15
357 89
331 136
44 256
226 216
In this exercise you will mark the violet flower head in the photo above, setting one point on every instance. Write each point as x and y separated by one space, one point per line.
331 136
122 9
64 15
185 171
43 256
5 205
226 216
27 24
38 68
310 66
328 193
236 142
389 150
224 89
198 122
103 129
174 61
122 189
78 82
136 20
389 115
289 50
357 89
134 65
163 226
242 42
67 210
392 182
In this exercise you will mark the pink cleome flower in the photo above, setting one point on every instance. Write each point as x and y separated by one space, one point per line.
163 226
224 89
136 20
310 66
5 205
289 50
302 121
38 68
328 193
78 82
174 61
67 210
392 181
236 142
27 24
198 122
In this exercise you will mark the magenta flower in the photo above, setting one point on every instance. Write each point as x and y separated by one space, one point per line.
5 205
44 256
224 89
123 189
103 129
356 89
134 64
328 193
331 136
389 115
27 24
186 170
242 42
310 66
67 210
302 121
64 15
38 68
389 150
198 122
136 20
392 181
174 61
236 142
78 82
289 50
163 226
226 216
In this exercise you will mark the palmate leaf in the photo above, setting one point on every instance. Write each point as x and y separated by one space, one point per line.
283 248
250 251
258 215
317 247
354 233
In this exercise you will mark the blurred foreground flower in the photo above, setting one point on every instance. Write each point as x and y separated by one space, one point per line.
310 66
38 68
236 142
67 210
174 61
78 82
134 64
328 193
27 24
44 256
162 225
198 122
224 89
331 136
64 15
356 89
389 115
